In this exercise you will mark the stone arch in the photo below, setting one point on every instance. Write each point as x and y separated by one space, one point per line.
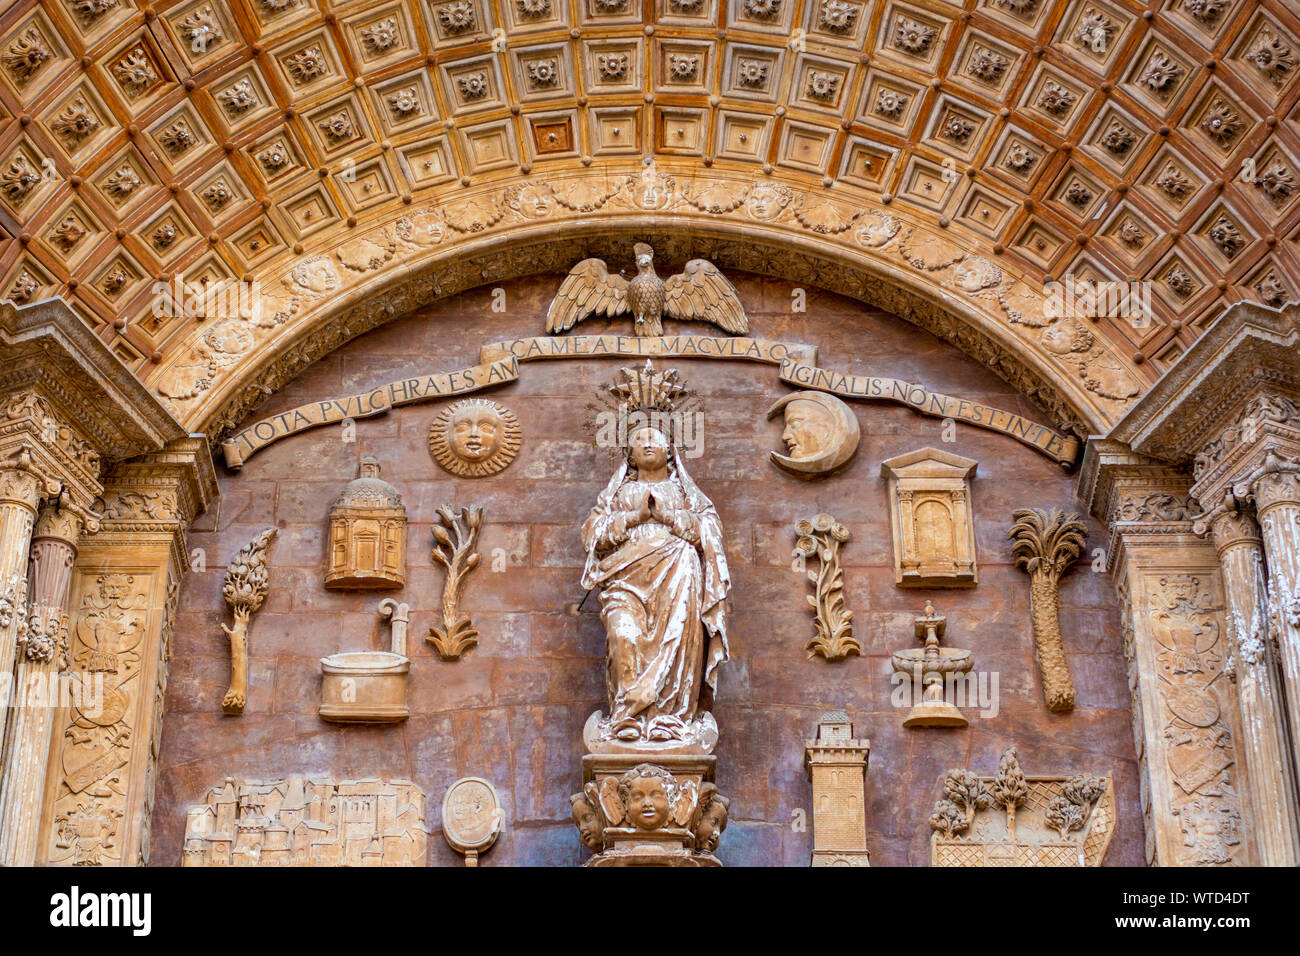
907 266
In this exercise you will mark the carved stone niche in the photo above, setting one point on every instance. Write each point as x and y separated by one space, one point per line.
305 821
1011 819
934 531
367 534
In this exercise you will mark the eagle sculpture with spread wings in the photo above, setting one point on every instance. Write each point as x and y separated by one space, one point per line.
700 293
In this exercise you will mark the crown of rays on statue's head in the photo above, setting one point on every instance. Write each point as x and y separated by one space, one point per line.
649 389
644 397
654 399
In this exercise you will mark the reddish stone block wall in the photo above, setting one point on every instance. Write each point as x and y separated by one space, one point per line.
512 709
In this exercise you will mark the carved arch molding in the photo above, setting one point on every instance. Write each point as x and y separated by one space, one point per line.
940 158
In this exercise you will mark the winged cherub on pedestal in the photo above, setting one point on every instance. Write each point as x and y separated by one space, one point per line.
699 294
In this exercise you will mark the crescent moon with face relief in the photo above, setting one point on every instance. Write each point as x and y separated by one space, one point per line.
821 431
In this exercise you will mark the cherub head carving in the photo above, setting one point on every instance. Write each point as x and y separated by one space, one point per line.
587 818
649 794
474 437
712 818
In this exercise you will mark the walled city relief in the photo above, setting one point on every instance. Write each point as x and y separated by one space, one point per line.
305 821
244 589
1010 819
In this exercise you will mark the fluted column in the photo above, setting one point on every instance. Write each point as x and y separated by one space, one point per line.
1269 765
41 679
21 489
1277 500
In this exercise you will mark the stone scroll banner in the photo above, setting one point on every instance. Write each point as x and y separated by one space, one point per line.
1061 448
242 446
637 346
499 365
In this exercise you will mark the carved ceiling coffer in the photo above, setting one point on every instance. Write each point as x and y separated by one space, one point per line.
367 534
934 530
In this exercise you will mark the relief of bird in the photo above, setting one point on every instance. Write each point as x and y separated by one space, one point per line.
699 293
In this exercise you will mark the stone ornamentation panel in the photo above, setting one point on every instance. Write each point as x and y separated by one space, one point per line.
1011 819
305 821
94 750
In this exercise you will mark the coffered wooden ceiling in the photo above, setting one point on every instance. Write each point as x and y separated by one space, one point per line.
358 158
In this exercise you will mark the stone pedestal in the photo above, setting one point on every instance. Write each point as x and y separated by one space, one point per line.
649 829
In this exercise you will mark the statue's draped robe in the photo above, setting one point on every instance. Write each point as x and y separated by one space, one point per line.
663 596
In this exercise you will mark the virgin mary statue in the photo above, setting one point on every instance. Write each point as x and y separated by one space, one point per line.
654 547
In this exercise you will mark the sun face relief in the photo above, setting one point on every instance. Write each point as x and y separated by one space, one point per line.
476 431
474 438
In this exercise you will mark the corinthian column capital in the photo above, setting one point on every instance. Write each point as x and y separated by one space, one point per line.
1231 529
1275 482
23 482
